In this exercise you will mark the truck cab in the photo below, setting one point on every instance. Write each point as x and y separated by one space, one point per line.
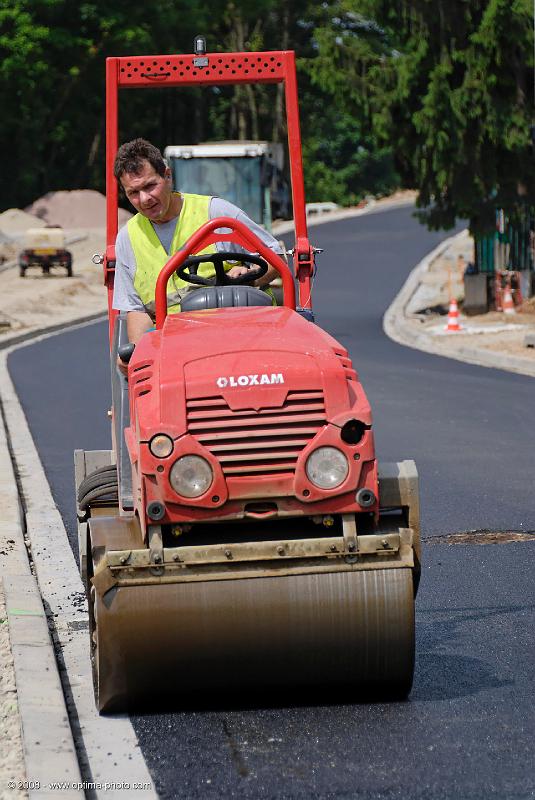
249 174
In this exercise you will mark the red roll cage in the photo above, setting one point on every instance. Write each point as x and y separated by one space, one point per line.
210 69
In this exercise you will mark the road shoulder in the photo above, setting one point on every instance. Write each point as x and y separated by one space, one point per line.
492 340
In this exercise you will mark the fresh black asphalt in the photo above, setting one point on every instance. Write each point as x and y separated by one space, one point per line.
468 729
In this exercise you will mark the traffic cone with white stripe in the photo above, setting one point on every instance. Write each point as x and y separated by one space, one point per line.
453 325
508 307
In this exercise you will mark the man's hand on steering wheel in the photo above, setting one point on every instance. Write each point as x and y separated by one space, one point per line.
236 275
235 272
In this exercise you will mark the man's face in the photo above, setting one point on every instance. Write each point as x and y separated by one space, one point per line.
149 193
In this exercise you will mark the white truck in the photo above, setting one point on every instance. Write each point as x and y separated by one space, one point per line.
249 174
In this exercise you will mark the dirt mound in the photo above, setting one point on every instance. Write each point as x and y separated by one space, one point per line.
528 306
15 222
80 208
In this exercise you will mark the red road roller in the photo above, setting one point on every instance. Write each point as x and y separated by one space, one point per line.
240 532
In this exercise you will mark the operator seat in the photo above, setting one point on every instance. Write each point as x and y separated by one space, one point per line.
224 297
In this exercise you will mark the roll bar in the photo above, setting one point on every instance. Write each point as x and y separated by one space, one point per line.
208 69
205 235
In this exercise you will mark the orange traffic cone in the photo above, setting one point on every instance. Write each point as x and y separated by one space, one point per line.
508 307
453 325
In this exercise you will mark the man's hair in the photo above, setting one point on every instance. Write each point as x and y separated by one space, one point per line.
131 155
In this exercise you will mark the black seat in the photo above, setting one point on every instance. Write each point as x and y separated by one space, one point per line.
224 297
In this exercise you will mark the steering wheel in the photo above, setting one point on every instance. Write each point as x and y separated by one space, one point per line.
221 278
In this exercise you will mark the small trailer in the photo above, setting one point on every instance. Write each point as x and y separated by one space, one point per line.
45 248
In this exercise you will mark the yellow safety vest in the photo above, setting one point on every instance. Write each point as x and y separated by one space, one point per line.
151 257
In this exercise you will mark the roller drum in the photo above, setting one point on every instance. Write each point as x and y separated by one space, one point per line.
340 628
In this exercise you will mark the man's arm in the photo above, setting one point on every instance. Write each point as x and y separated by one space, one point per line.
137 323
125 296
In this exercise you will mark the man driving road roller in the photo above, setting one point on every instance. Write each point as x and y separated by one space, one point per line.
164 222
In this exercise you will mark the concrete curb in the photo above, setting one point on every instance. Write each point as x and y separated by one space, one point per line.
333 216
10 340
400 329
47 740
49 749
107 748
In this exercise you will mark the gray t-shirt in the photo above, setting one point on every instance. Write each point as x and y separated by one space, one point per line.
125 297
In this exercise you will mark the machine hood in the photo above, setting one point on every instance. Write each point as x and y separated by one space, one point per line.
252 358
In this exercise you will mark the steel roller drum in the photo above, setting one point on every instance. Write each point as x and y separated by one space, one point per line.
352 628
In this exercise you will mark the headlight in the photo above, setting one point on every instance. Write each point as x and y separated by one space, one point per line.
327 467
191 476
161 445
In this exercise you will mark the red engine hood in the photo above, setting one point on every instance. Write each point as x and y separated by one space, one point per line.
252 357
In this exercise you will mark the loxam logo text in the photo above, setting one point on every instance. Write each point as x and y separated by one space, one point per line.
250 380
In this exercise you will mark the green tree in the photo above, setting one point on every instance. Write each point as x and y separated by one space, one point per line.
344 156
52 58
457 105
52 68
437 92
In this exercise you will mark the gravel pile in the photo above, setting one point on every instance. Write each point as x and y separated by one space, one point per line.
528 306
81 208
14 222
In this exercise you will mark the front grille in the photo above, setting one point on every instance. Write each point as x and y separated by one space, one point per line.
264 442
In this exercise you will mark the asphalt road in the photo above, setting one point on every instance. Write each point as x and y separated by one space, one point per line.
468 729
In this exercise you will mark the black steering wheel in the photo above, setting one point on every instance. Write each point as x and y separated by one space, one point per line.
221 278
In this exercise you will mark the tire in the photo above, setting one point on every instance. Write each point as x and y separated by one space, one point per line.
100 486
100 477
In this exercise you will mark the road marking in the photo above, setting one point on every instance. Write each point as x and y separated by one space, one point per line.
21 612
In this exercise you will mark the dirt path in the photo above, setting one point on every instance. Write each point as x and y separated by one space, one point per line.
38 300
